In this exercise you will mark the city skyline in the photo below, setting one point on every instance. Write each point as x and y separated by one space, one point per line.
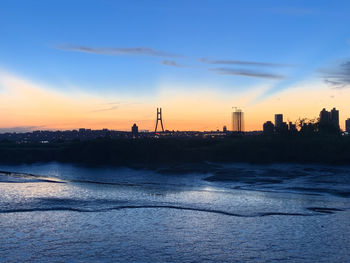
196 60
325 120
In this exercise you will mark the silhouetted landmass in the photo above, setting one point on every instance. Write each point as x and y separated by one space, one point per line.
156 152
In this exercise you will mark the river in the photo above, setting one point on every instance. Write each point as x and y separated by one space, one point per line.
57 212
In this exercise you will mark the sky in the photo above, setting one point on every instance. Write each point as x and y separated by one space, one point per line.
109 64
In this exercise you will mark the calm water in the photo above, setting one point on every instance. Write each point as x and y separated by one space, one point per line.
67 213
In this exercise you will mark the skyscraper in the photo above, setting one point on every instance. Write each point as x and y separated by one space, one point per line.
237 121
325 116
347 125
329 121
278 120
134 131
335 117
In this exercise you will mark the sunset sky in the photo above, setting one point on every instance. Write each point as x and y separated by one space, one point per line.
109 64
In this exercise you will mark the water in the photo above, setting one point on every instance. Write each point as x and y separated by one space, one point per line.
241 213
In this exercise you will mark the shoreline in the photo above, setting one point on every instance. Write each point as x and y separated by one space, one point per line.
155 153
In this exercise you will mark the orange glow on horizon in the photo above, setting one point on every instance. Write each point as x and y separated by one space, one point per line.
23 103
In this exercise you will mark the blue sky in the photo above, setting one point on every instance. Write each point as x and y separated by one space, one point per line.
127 48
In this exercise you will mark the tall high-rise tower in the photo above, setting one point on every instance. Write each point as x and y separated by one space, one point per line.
347 125
135 131
159 118
335 117
237 121
329 117
325 116
278 120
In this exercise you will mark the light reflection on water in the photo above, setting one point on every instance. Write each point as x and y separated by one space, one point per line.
143 216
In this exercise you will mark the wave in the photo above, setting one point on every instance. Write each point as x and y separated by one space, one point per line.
33 178
306 189
47 179
37 178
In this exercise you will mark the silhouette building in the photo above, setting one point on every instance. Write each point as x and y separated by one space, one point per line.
292 127
325 116
268 127
237 121
280 126
278 121
329 119
347 125
335 117
134 131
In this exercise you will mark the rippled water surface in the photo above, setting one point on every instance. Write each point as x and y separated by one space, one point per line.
231 213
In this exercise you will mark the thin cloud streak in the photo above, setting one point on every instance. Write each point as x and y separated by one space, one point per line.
114 51
107 109
246 73
335 84
112 103
115 105
246 63
22 129
338 77
171 63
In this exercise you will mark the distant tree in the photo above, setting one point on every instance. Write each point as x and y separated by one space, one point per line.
308 126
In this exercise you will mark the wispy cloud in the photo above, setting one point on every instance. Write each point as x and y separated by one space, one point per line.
22 129
110 106
171 63
113 103
246 63
337 77
107 109
116 51
246 73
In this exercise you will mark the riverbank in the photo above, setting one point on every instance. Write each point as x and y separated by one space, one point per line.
153 153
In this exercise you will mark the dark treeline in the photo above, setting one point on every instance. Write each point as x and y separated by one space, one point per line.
162 151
